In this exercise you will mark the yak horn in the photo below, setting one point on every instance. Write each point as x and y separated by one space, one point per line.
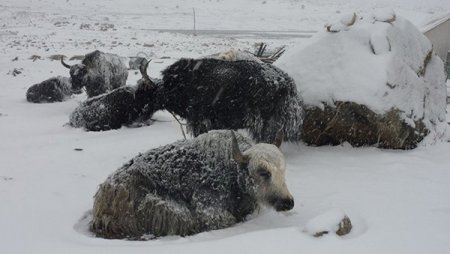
64 64
143 69
279 138
237 155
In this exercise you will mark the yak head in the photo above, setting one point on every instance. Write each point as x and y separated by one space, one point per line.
267 167
78 74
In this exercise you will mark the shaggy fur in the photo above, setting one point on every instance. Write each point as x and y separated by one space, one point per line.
188 187
51 90
99 73
112 110
216 94
106 111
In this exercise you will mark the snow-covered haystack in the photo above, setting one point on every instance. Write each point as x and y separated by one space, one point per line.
369 80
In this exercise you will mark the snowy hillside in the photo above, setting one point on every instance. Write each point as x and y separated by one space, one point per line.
49 172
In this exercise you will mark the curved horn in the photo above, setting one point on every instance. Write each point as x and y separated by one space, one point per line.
148 83
64 64
279 138
237 155
143 69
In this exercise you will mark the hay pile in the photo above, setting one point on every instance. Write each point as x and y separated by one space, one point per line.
369 81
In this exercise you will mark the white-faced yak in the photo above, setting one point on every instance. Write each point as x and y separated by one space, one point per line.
98 72
191 186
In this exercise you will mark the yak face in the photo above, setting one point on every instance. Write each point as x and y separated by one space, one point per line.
78 73
267 167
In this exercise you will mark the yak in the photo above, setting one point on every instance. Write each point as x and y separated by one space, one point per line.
98 73
217 94
191 186
107 111
55 89
127 105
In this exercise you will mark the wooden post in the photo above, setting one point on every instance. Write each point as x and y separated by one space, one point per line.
448 64
195 30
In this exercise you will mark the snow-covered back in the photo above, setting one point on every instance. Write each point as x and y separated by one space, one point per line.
381 61
397 200
235 55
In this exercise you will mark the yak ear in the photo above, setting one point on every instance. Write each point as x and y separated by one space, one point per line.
237 155
279 138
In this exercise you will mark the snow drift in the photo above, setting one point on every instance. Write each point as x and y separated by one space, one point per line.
369 80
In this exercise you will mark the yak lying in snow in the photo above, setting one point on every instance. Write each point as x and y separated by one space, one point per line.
107 111
98 72
122 106
51 90
217 94
191 186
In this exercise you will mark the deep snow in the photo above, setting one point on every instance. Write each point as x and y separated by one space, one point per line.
397 200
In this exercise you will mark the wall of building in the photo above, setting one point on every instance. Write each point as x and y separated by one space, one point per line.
439 34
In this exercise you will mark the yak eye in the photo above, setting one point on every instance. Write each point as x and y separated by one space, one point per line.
264 174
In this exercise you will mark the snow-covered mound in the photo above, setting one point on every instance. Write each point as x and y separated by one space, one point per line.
369 80
334 221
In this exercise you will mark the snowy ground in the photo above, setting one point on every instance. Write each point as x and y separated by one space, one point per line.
397 200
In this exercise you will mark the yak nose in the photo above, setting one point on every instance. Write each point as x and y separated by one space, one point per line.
284 204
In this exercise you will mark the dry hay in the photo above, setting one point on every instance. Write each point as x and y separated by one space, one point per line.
358 125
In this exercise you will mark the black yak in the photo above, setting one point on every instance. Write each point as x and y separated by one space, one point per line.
122 106
191 186
217 94
98 72
107 111
51 90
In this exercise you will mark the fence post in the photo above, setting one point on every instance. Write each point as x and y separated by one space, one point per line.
447 64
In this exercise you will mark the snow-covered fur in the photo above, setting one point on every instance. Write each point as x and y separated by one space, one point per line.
191 186
99 73
235 55
106 111
51 90
230 55
217 94
121 106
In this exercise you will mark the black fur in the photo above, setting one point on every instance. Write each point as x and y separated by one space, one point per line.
122 106
51 90
106 111
181 188
99 73
216 94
